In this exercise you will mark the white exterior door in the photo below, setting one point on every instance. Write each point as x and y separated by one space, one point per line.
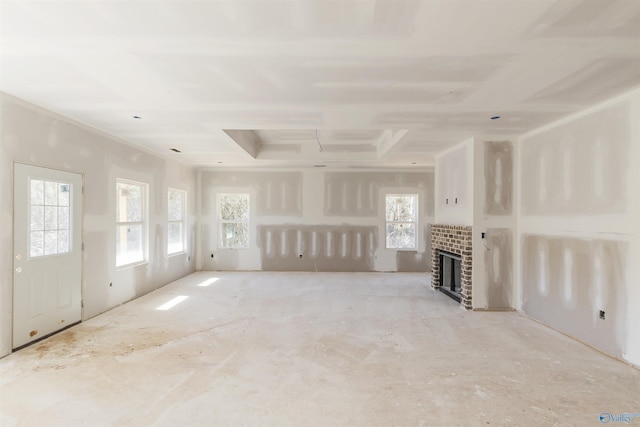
47 249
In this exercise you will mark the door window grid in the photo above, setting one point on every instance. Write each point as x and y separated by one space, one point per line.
131 232
233 220
49 218
176 236
401 221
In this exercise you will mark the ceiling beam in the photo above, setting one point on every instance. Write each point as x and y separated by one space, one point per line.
245 140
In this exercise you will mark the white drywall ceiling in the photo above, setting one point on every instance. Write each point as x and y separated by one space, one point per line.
385 83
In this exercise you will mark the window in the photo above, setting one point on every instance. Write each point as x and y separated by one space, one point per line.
49 218
131 222
233 220
401 218
176 241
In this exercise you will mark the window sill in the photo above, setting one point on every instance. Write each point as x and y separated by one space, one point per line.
174 254
131 265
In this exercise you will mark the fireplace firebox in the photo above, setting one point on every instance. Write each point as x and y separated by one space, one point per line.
451 275
453 240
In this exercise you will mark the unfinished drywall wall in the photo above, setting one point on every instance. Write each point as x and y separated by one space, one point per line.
29 134
334 219
498 175
454 185
414 261
498 267
579 232
571 170
493 255
277 194
356 194
570 280
317 248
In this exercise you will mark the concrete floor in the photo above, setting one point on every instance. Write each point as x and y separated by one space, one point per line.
325 349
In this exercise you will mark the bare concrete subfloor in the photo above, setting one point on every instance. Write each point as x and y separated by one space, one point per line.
325 349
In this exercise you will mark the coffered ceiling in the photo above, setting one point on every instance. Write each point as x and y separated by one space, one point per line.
353 83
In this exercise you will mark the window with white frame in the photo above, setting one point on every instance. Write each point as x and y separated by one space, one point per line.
176 236
233 220
131 222
401 221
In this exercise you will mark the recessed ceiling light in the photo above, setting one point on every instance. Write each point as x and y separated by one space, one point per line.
219 163
413 163
137 117
176 150
319 166
495 117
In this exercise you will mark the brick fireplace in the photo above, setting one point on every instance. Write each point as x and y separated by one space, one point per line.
452 239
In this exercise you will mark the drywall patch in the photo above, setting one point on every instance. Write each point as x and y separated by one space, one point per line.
567 281
356 193
498 260
498 170
294 247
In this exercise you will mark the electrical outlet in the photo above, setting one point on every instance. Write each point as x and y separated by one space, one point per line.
484 234
602 314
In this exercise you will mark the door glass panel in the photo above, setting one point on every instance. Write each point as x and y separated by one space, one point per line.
36 240
37 192
50 193
63 194
63 218
50 218
50 242
37 218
